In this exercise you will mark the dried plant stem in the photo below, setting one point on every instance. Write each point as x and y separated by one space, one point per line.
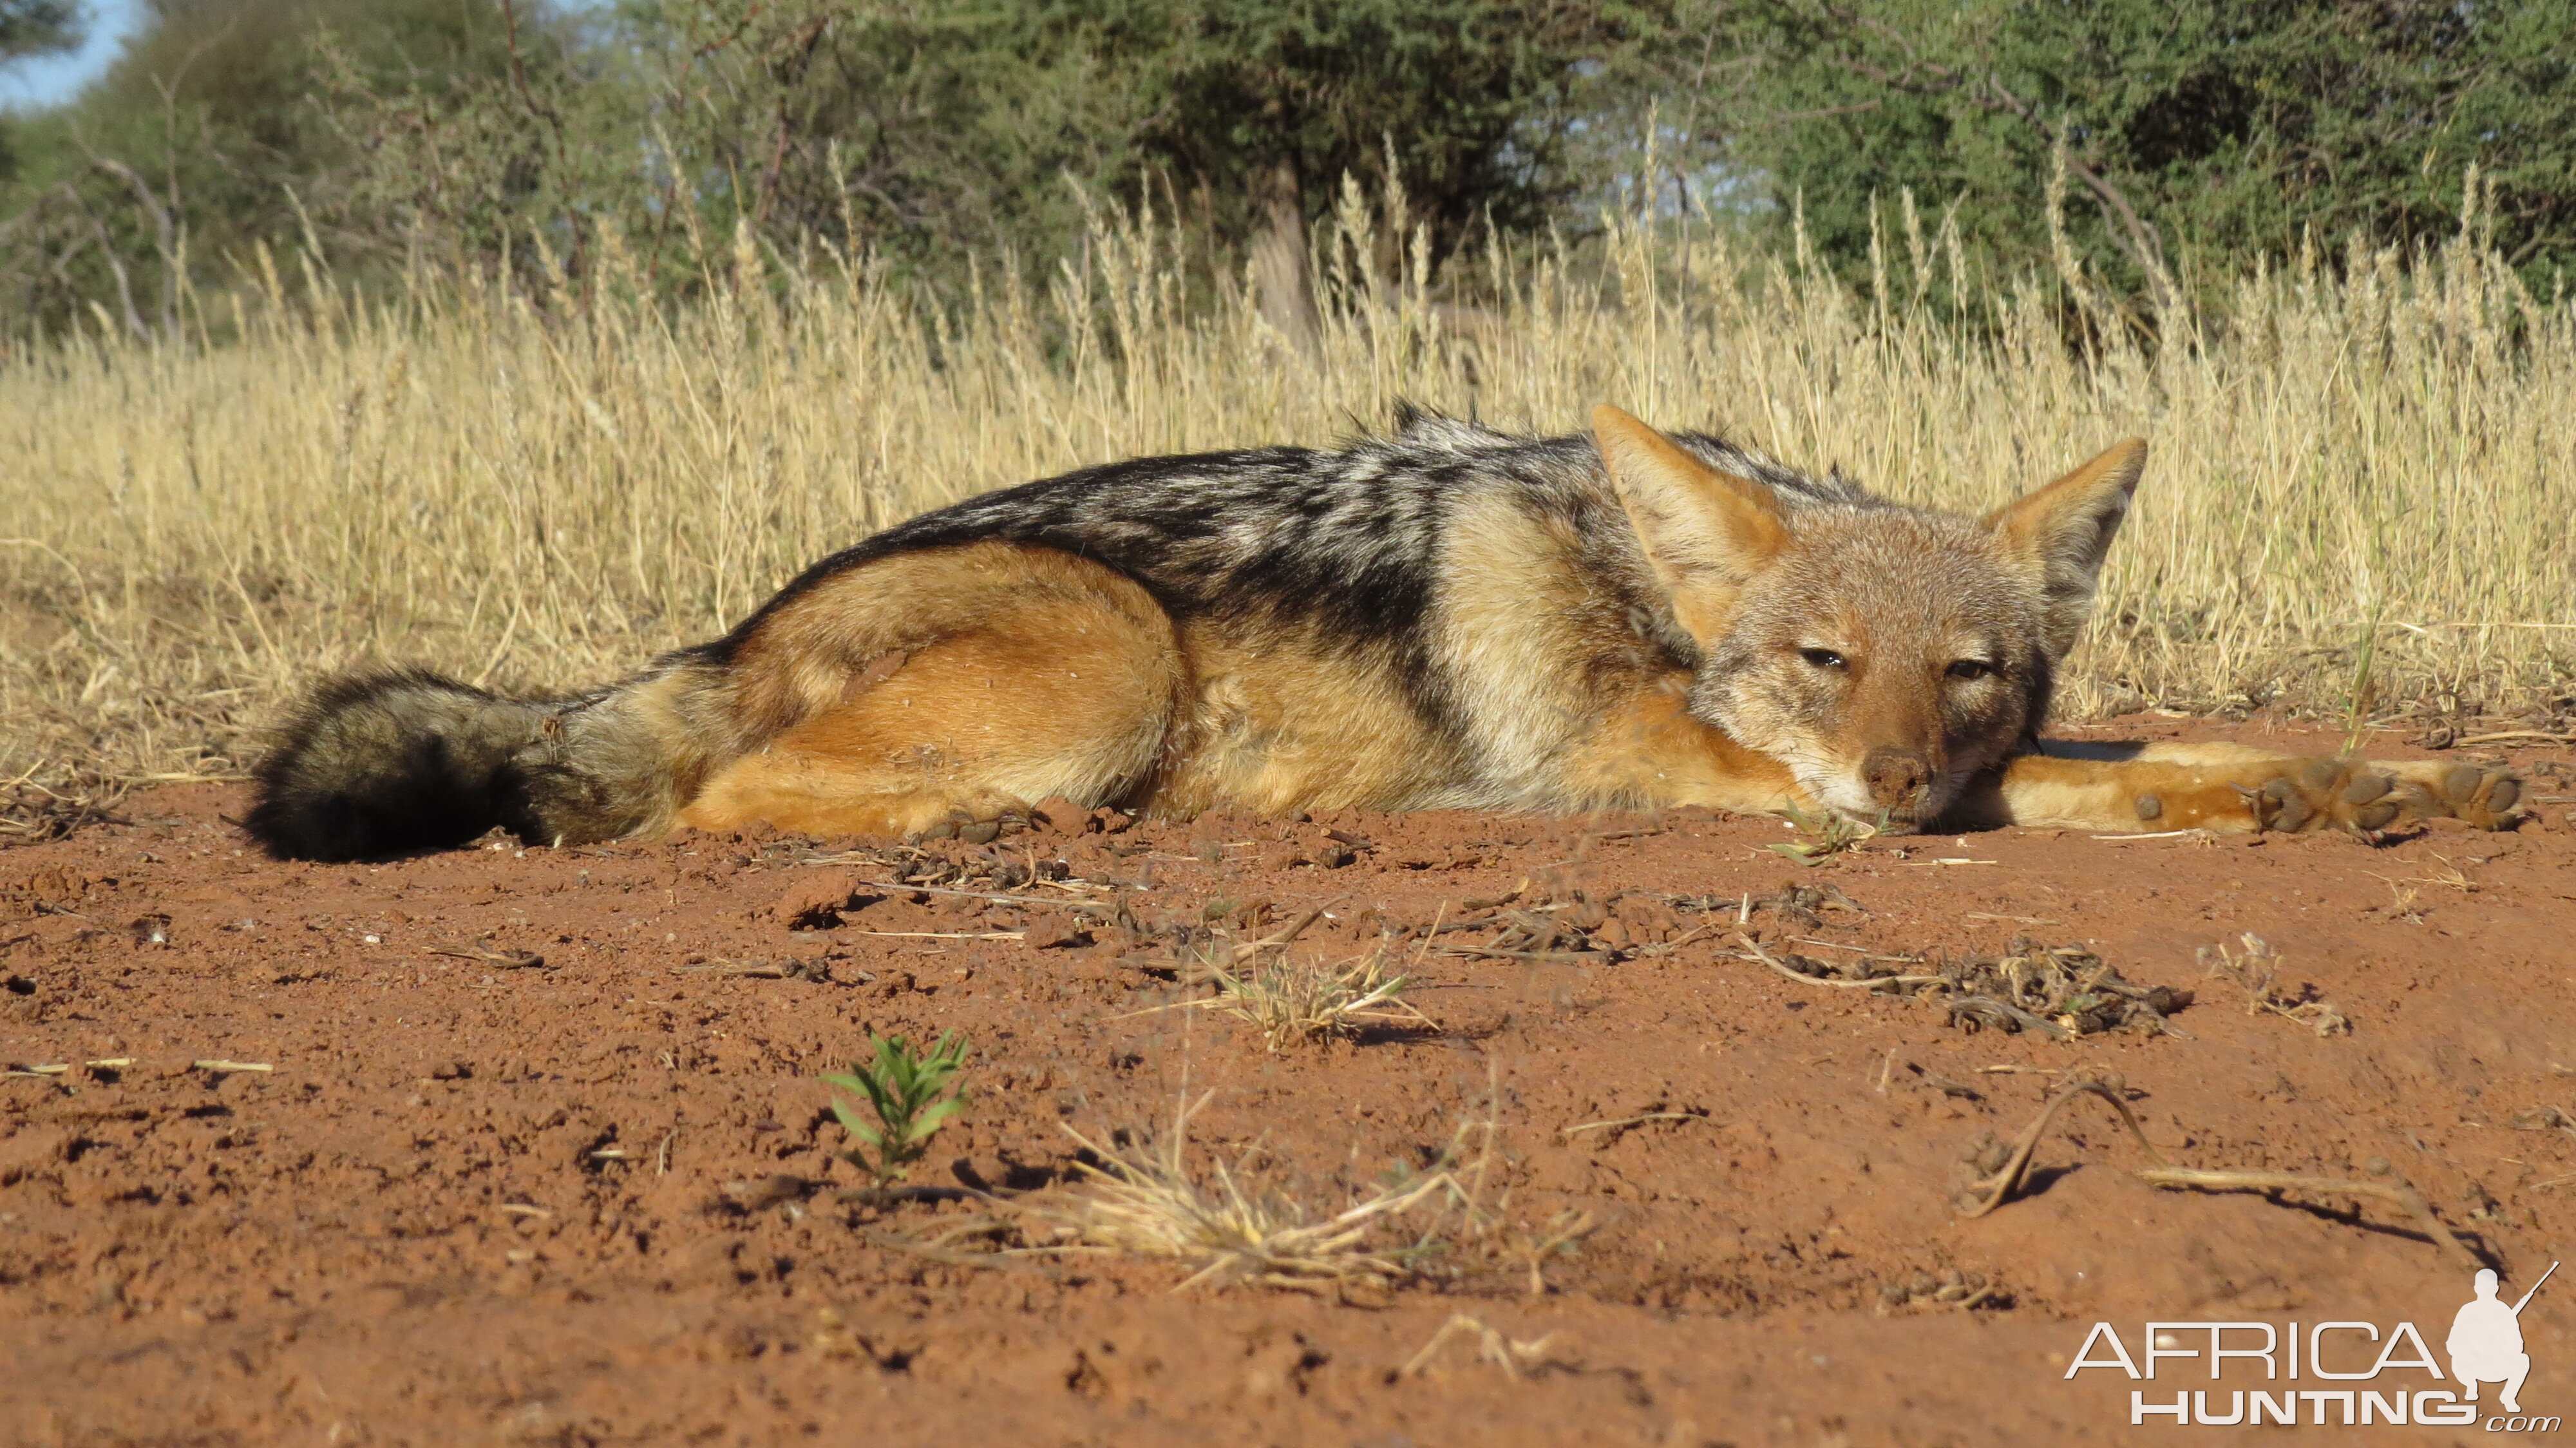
1492 1346
1996 1189
2397 1194
1635 1121
891 888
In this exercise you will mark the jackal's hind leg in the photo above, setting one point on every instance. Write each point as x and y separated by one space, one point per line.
959 742
2230 789
1068 688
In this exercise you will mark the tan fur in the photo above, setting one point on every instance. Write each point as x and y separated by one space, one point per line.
2050 531
960 682
1648 751
1543 654
1283 728
2228 789
1707 533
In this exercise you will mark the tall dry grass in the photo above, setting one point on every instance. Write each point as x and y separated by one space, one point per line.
526 489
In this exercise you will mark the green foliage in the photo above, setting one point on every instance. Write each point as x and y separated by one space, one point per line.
928 131
204 139
905 1091
922 133
1467 100
658 143
33 27
474 131
2192 128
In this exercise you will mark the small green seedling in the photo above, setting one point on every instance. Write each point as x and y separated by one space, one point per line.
905 1092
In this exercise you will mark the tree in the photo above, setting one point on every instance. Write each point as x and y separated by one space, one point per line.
943 124
928 130
924 131
2189 128
1265 103
33 27
203 137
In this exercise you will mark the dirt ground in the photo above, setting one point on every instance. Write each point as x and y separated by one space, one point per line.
597 1198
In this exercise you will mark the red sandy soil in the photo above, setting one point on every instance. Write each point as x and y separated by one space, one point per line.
406 1230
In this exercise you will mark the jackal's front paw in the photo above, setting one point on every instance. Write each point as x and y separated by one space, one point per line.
2318 794
2489 797
2363 797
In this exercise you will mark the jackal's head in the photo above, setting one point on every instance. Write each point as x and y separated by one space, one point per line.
1885 654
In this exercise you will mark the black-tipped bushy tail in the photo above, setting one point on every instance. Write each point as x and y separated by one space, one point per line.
377 764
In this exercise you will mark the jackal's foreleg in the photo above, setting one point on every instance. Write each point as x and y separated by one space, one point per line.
2230 789
1648 751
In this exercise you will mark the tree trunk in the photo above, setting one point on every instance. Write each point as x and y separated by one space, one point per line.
1283 273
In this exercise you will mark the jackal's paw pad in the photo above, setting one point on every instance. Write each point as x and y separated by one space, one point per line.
963 825
2487 797
2319 794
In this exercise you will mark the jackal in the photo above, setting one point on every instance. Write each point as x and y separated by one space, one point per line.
1445 617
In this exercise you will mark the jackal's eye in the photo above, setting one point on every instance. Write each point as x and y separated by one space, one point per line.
1822 658
1971 669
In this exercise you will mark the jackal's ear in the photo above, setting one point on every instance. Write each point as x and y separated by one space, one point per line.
1705 532
2066 528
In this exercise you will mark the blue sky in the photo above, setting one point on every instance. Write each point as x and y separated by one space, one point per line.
49 79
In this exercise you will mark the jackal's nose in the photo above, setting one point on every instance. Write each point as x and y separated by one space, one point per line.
1896 777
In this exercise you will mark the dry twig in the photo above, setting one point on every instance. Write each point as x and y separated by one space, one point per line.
1994 1190
1492 1346
499 959
1635 1121
2396 1193
1998 1187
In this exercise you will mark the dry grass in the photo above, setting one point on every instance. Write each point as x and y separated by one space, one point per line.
2257 972
1233 1222
1820 840
1144 1201
541 491
1293 1002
